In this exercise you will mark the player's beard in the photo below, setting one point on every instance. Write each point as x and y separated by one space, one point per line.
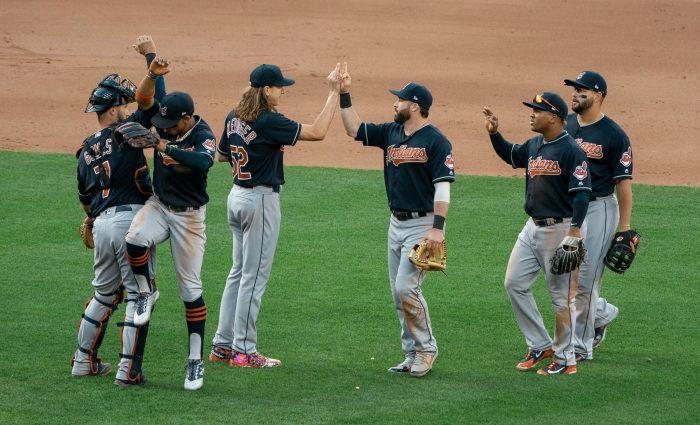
583 105
401 117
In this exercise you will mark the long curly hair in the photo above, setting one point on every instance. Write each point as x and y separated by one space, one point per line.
253 101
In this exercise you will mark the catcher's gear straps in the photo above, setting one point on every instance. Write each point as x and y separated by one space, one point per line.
133 340
92 325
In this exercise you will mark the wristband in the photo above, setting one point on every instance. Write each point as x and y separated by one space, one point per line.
151 75
149 58
345 101
438 222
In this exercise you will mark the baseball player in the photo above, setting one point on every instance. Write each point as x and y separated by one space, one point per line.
418 170
182 160
253 142
113 184
610 164
557 189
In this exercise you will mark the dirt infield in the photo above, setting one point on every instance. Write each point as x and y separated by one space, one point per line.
469 53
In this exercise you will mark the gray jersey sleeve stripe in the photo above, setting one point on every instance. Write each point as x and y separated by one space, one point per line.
579 188
511 156
622 176
366 142
445 178
296 136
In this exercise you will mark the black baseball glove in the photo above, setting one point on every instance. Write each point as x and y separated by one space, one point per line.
135 135
622 251
568 256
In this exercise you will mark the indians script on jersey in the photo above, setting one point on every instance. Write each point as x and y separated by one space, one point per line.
592 150
542 167
403 154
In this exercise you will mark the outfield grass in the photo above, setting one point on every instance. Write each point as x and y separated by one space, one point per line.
328 314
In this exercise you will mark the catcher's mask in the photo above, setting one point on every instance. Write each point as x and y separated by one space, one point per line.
111 91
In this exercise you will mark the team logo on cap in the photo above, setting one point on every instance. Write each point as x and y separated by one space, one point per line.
404 154
592 150
542 167
581 75
163 110
450 162
626 158
415 98
581 171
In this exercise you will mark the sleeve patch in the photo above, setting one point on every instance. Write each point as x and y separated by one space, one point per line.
626 158
210 145
450 162
581 171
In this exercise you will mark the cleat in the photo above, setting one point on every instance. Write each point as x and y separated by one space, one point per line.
555 368
423 363
599 335
144 306
220 354
532 358
194 378
126 384
405 365
254 360
580 358
102 370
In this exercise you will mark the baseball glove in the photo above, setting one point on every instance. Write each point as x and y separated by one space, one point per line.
622 251
135 135
85 231
423 259
568 256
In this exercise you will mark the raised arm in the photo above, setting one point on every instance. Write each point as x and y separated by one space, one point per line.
320 126
351 120
503 148
153 85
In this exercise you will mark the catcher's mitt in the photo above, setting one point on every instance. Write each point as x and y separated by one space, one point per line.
135 135
568 256
85 231
423 259
622 251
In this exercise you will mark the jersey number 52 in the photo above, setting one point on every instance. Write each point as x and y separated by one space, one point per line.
239 158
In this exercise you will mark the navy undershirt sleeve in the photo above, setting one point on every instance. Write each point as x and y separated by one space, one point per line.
160 81
197 160
580 205
502 147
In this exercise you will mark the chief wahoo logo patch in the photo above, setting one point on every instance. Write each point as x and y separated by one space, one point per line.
581 171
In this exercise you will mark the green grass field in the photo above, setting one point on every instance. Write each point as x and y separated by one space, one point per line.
328 314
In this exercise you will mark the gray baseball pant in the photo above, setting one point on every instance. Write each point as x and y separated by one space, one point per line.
254 217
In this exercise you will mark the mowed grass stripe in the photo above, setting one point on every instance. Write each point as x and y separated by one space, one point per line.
328 314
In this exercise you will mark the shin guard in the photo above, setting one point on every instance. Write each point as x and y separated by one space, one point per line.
133 341
91 332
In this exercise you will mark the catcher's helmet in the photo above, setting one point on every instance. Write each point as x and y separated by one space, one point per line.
111 91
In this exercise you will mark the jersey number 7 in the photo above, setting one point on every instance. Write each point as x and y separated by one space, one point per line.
239 158
103 173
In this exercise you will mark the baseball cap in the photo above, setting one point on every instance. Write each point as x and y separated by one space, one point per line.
550 102
590 80
415 93
173 107
269 75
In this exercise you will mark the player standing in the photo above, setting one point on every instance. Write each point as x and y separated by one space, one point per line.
182 160
557 189
418 170
253 142
610 163
113 184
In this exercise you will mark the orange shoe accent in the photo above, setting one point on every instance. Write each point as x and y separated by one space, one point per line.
531 361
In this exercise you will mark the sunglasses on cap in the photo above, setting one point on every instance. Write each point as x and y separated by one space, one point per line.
539 99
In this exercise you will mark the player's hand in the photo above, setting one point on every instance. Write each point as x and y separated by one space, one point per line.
334 78
435 237
159 66
345 79
491 121
160 147
574 231
144 45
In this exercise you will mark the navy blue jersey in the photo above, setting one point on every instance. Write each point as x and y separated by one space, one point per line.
608 150
554 170
178 185
412 164
109 175
256 150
